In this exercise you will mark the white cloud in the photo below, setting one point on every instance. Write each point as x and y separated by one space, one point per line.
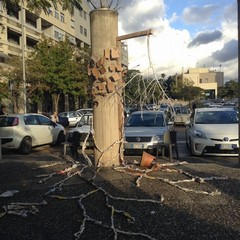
168 50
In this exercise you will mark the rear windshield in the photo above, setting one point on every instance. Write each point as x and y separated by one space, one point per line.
6 121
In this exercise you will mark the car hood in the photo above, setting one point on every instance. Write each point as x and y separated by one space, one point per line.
223 130
144 131
83 129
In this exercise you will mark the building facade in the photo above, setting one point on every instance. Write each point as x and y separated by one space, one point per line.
206 79
21 30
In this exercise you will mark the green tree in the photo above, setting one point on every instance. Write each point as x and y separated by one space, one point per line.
38 5
12 86
62 68
230 90
3 90
131 91
184 89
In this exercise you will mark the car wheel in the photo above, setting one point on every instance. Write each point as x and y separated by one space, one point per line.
187 142
60 139
26 145
190 148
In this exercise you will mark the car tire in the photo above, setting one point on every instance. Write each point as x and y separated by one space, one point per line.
60 139
190 148
26 145
187 141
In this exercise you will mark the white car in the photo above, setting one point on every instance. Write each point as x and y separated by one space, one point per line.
73 117
83 111
144 130
24 131
83 127
213 131
181 115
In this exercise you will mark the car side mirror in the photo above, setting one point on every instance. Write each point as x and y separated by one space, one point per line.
54 124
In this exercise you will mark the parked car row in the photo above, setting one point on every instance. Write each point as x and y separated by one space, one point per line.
209 131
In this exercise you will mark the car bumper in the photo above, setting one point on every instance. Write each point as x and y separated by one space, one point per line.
9 143
139 146
214 148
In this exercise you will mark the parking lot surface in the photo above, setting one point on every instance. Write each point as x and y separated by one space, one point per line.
45 197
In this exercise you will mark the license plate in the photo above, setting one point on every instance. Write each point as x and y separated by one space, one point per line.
138 146
226 147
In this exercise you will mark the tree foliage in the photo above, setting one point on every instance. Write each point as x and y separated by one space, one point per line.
13 81
229 90
38 5
60 67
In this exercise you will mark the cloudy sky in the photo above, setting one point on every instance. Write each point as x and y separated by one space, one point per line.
186 34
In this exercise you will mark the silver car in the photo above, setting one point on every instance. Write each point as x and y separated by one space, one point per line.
83 127
213 131
73 117
144 130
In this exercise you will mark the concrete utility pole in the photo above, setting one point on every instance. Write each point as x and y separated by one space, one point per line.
104 30
105 71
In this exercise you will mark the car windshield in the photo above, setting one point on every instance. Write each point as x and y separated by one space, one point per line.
85 120
217 117
145 120
181 110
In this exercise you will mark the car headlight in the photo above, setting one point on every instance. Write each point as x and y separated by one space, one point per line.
157 138
199 134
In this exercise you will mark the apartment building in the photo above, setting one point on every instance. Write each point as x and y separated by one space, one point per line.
207 79
21 29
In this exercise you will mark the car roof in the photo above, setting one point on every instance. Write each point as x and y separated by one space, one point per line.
147 111
21 114
222 109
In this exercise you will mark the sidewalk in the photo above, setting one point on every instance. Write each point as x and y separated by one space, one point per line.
194 200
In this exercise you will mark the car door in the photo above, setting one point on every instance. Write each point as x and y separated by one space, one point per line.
46 128
33 128
73 118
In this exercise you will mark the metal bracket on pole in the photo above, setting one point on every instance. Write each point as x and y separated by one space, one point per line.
135 35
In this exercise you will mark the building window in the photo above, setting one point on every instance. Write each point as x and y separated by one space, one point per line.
62 17
85 32
50 12
81 29
56 14
58 35
206 80
80 13
200 80
72 23
85 15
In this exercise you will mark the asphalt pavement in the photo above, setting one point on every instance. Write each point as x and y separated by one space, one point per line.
45 197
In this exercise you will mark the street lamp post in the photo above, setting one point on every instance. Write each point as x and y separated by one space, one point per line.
23 59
